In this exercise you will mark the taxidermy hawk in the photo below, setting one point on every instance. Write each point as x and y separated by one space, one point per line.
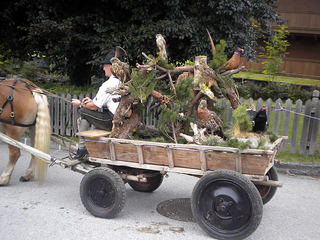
233 62
120 69
209 119
161 43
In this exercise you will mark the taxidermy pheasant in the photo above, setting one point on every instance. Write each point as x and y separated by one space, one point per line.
209 119
233 62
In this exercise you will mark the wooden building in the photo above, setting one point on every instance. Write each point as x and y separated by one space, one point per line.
303 21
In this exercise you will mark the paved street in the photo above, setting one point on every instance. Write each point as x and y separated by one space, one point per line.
54 210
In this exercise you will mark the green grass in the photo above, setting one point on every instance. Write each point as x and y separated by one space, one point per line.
298 158
282 79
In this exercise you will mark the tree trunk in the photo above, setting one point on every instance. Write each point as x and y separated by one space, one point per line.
125 119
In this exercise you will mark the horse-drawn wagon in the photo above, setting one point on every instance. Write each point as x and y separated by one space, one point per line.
227 201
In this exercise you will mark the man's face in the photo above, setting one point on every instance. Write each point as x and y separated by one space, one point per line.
107 70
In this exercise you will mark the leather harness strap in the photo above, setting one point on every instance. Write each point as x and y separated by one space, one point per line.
9 99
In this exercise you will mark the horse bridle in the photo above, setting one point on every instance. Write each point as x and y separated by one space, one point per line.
9 99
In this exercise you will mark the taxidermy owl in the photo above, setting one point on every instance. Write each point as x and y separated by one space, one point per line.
161 43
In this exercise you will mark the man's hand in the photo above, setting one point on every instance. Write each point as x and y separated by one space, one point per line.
88 103
76 102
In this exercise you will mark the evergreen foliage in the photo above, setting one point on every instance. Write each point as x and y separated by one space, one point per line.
241 120
180 104
220 57
141 86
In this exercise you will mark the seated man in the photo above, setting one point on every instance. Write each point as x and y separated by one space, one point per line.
98 111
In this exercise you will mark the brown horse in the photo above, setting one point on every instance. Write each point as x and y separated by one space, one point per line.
22 106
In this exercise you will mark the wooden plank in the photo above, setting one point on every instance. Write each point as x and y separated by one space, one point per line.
277 115
155 155
98 149
216 160
162 169
170 158
93 133
295 127
51 109
285 123
269 109
238 161
254 164
259 104
126 152
140 154
68 116
315 127
189 158
56 116
305 128
62 115
112 151
203 160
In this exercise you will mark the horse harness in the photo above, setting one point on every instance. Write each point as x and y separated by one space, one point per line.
9 100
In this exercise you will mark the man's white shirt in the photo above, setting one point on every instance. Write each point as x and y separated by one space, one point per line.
104 99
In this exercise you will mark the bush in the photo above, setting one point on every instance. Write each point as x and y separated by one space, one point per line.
274 91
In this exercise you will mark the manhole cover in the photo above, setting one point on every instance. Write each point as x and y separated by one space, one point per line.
177 209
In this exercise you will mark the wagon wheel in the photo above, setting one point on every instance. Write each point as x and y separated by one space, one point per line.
152 183
103 192
267 192
226 205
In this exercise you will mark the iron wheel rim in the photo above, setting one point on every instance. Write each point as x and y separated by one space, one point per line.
101 193
225 206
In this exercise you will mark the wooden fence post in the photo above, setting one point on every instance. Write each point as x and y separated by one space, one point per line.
314 122
269 109
295 127
285 123
277 115
305 128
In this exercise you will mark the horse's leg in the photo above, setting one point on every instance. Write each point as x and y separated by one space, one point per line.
14 153
29 174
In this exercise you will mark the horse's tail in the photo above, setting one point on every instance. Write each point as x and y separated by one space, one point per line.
42 131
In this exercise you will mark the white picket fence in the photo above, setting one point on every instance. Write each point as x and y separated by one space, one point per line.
303 140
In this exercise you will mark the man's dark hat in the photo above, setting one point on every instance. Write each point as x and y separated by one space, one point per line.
119 53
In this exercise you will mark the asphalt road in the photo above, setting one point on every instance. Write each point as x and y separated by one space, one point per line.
54 210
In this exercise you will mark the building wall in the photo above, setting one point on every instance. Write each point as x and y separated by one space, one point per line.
303 20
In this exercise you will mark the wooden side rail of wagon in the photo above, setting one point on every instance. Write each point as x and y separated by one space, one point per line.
226 202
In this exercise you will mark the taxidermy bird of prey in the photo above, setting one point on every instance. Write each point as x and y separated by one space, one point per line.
120 69
161 43
208 78
209 119
233 62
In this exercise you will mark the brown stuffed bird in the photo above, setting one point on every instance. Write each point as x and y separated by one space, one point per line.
161 43
208 77
233 62
120 69
209 119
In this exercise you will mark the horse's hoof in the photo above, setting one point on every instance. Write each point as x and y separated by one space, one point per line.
24 179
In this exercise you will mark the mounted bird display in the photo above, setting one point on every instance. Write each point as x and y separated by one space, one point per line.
233 62
161 43
260 120
120 69
208 78
209 119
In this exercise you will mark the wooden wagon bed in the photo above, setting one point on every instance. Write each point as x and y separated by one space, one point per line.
180 158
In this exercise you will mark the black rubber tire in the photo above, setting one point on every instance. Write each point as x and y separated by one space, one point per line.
152 184
226 205
103 192
268 192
